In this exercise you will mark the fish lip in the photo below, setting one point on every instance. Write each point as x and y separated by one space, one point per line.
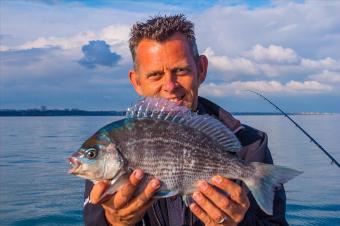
75 164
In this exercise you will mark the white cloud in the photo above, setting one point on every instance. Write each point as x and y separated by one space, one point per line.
239 88
272 54
62 42
310 28
113 35
268 62
270 70
307 86
225 63
326 63
327 76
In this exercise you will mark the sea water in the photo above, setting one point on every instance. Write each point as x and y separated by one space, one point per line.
35 188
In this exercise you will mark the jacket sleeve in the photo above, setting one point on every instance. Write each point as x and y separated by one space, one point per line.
255 216
256 149
93 214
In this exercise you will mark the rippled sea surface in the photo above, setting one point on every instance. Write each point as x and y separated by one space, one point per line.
36 189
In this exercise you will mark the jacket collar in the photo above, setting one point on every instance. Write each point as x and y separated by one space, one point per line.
205 106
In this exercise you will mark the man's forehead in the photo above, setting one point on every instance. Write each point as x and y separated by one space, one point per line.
173 51
162 62
176 38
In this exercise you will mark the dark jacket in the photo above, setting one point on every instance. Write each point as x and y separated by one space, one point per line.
173 212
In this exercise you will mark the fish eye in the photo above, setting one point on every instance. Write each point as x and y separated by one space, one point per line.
91 153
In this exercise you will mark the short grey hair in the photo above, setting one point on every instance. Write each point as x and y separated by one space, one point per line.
161 28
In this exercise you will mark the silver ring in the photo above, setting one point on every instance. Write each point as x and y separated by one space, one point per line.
222 220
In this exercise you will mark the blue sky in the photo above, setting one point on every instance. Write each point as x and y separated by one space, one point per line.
74 54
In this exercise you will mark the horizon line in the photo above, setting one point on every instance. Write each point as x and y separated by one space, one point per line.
56 112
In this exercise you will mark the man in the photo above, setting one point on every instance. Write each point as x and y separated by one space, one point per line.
167 64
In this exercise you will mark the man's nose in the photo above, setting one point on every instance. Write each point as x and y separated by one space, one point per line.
170 82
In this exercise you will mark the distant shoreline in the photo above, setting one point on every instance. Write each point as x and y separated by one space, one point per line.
76 112
36 112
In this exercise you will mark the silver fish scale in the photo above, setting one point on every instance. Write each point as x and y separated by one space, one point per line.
175 154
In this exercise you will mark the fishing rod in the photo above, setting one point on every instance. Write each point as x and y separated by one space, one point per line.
298 126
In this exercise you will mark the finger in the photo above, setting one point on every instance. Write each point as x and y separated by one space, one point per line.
97 190
125 193
112 215
138 215
212 211
235 191
200 214
220 200
143 198
238 204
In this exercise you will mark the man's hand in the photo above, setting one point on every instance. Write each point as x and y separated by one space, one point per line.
122 208
216 209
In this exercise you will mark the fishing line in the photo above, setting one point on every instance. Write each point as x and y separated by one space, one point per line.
298 126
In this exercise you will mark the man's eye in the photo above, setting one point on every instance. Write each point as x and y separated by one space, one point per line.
181 70
155 76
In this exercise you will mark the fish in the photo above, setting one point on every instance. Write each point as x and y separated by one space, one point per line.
177 146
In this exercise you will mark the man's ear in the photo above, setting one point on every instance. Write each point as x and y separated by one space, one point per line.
133 77
202 68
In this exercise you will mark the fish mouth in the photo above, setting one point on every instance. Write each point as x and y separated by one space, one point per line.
74 164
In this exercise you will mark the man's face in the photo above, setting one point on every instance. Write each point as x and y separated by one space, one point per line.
168 69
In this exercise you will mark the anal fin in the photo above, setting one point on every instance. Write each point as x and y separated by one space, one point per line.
187 200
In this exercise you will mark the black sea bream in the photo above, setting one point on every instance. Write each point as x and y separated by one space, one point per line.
177 146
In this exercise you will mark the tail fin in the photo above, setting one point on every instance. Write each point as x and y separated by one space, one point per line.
264 180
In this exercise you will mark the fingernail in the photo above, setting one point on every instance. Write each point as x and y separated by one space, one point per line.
193 207
197 196
203 185
217 179
155 184
139 174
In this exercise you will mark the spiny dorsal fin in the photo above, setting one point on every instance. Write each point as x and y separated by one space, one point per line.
158 108
162 109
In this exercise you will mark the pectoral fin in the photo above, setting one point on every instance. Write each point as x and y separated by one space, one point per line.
114 185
